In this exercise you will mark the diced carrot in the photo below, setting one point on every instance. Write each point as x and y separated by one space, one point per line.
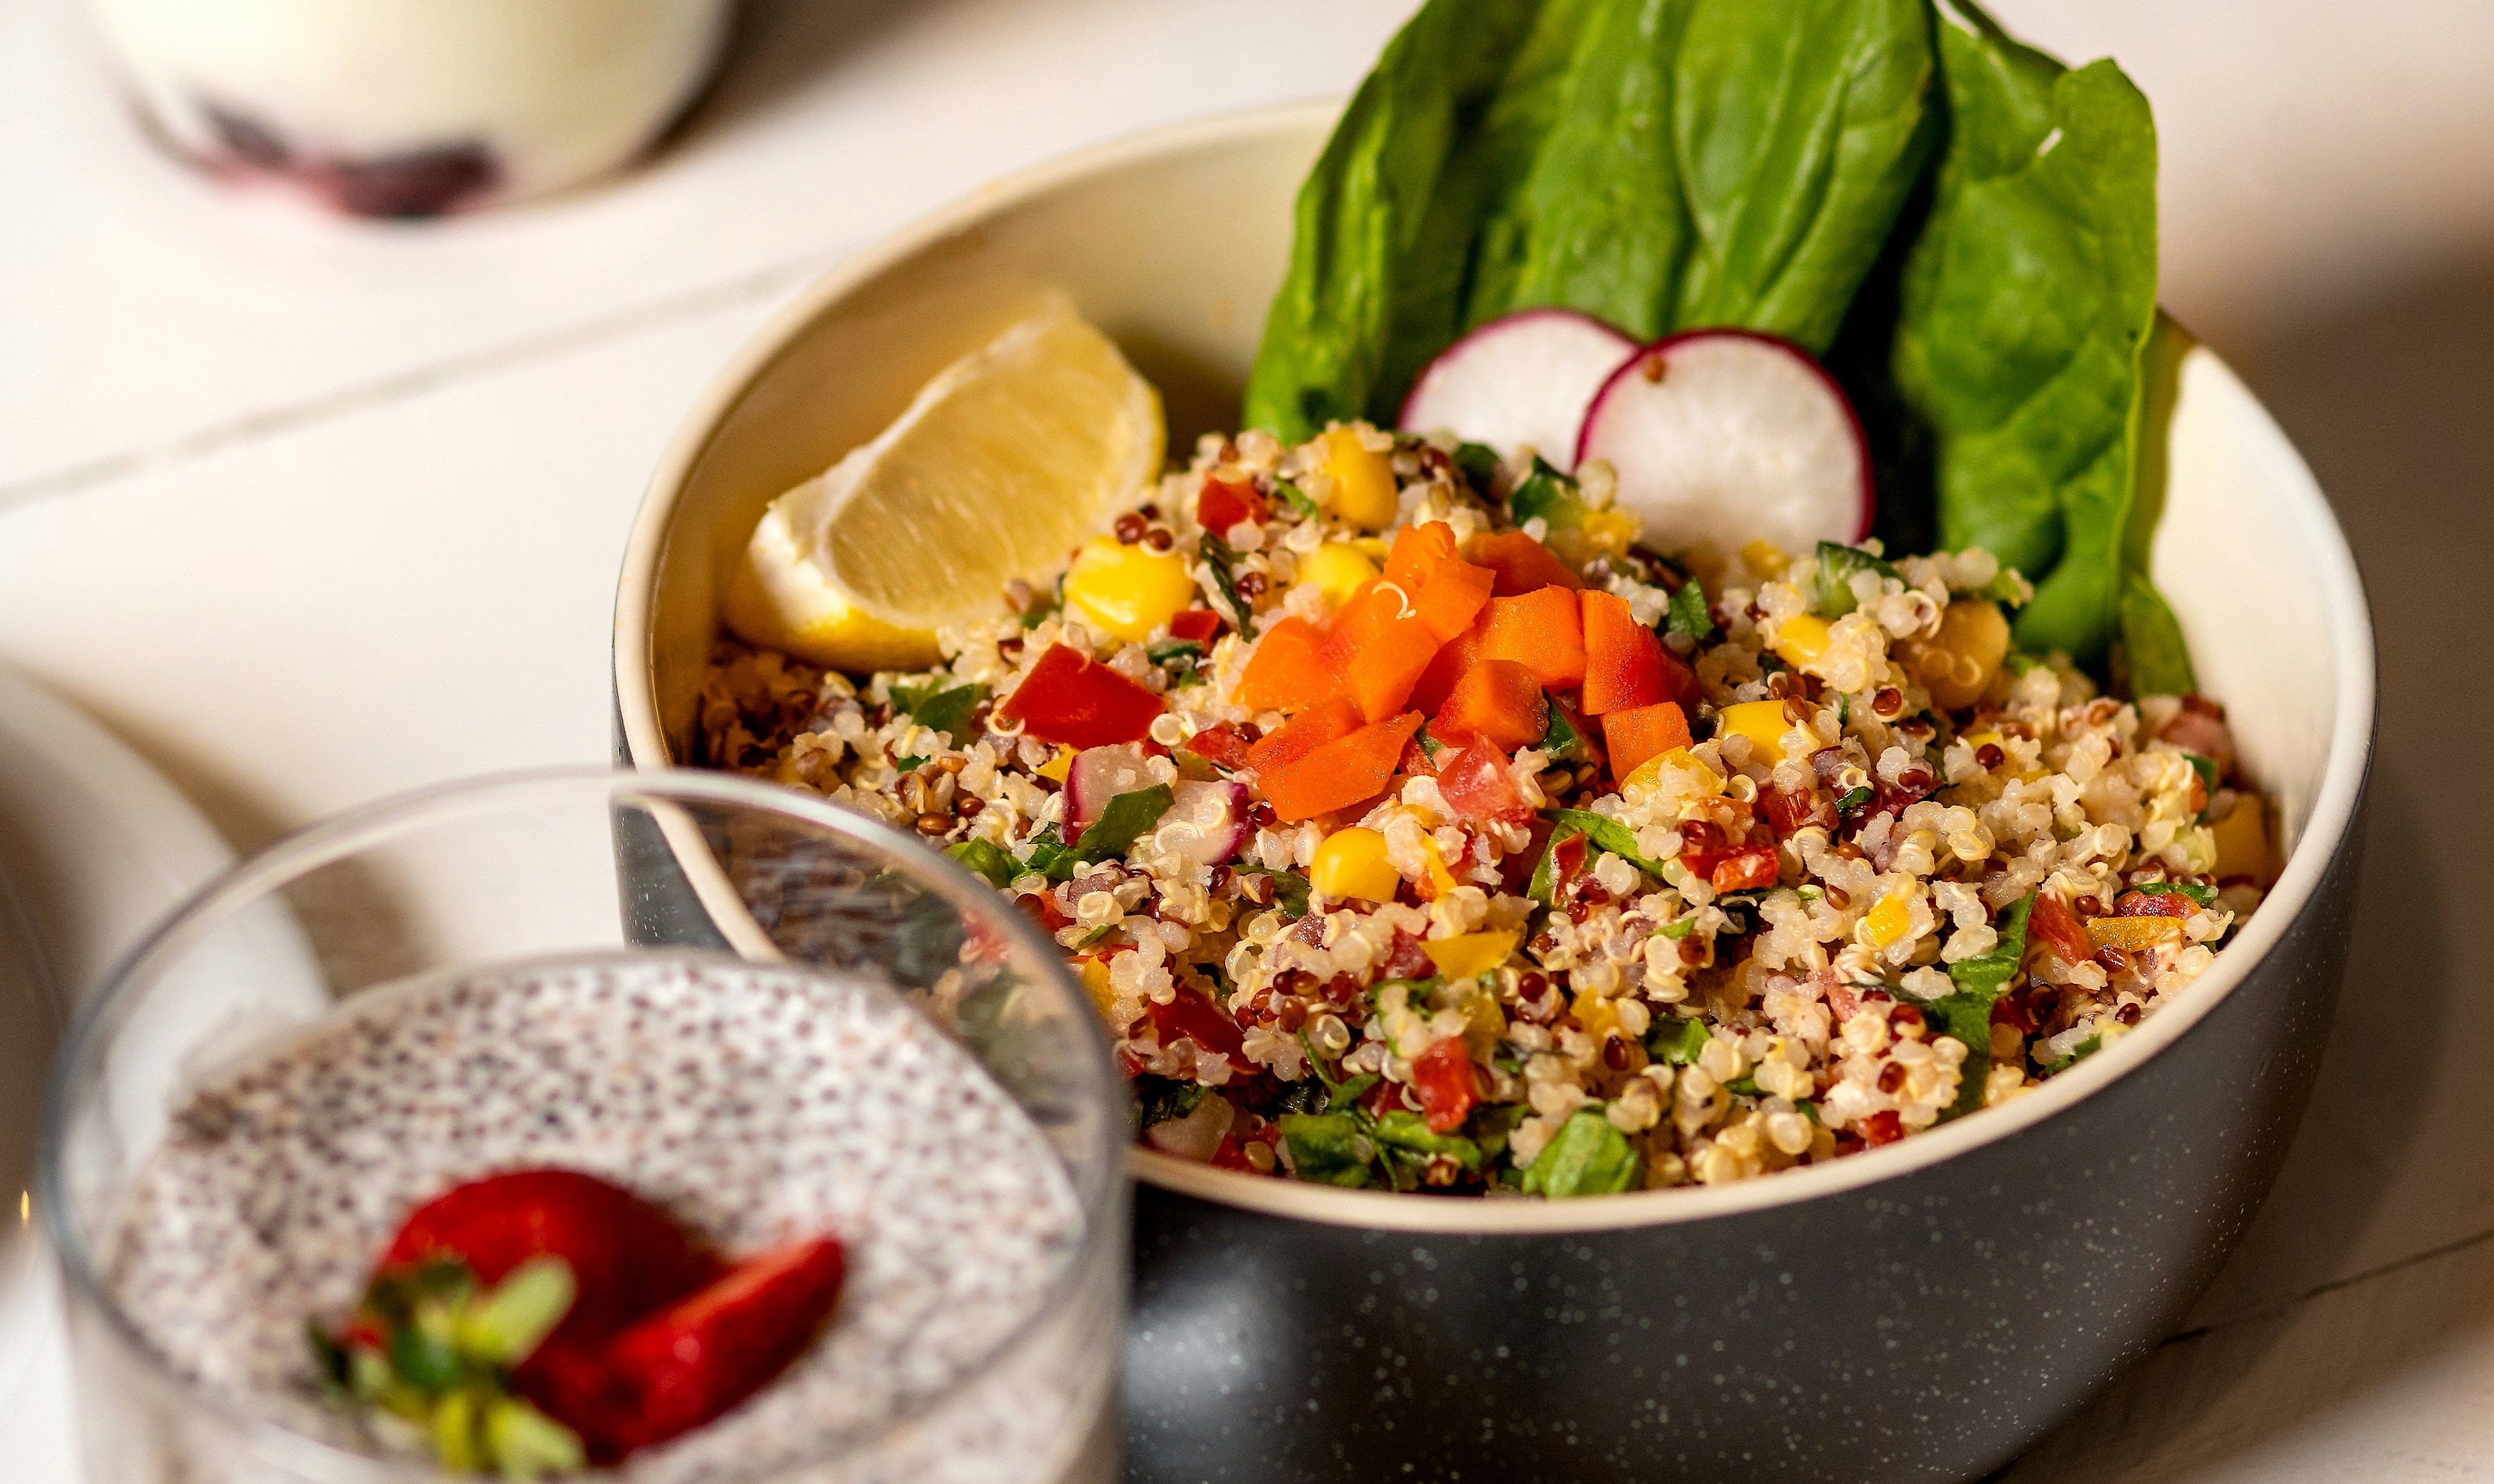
1453 595
1522 563
1498 699
1283 674
1642 733
1379 648
1438 681
1418 551
1539 630
1323 722
1622 657
1347 771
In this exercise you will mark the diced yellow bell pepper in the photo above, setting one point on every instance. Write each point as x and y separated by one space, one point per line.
2130 935
1095 983
1060 764
1471 955
1439 880
1649 773
1801 639
1888 921
1596 1014
1337 571
1363 481
1764 559
1352 863
1127 590
2242 842
1763 723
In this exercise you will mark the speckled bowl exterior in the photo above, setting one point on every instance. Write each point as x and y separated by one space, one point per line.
1917 1312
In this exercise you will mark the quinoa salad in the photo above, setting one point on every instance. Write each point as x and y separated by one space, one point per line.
1415 824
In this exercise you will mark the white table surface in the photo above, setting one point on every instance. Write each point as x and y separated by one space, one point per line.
312 511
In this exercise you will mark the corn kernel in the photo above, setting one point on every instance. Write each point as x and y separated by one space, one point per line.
1352 863
1762 722
1472 953
1060 764
1127 590
1337 571
1764 559
1363 482
1888 921
1801 640
1095 983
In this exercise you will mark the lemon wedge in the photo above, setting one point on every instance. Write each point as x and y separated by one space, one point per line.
1002 464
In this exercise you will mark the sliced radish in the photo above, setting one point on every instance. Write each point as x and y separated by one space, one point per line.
1522 380
1215 815
1727 437
1099 774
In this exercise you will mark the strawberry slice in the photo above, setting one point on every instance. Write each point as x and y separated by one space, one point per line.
686 1364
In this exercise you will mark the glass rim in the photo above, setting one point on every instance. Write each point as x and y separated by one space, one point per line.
325 841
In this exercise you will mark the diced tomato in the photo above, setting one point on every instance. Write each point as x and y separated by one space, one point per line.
1789 810
1500 700
1232 1155
1643 733
1283 674
1446 667
1347 771
1220 745
1566 863
1744 869
1075 700
1881 1128
1522 563
1225 502
2052 921
1304 733
2153 904
1442 1076
1622 657
1478 786
1542 631
1379 648
1191 1016
1195 625
1405 958
1418 551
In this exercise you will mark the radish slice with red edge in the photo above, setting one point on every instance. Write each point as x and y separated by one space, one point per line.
1727 437
1522 380
1097 776
1216 813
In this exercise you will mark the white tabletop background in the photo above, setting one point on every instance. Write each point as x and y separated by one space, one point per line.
311 511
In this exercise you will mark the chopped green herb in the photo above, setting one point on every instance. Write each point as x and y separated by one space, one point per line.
985 859
2078 1053
1605 833
1296 499
1563 741
1430 747
1690 614
2205 897
909 763
1548 494
1123 822
1038 614
1403 1129
1478 464
1050 857
1966 1013
1586 1157
1174 649
1677 1042
1290 889
1220 560
1162 1098
1854 799
1328 1148
1678 928
940 710
1832 597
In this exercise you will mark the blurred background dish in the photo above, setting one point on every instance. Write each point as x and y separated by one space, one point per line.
413 108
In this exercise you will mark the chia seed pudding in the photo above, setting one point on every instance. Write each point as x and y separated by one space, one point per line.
754 1103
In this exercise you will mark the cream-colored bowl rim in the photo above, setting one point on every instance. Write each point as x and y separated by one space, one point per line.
2333 807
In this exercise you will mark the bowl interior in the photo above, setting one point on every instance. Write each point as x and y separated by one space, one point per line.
1173 244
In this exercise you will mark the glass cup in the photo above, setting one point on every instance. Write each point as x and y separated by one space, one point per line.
627 875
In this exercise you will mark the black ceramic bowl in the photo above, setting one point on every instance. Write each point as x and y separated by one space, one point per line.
1921 1310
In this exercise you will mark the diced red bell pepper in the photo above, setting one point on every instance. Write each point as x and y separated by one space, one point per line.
1304 734
1744 869
1195 625
1442 1076
1071 699
1622 657
1643 733
1883 1127
1447 666
2053 921
1500 700
1379 648
1521 563
1283 674
1540 630
1347 771
1478 786
1418 551
1225 502
1192 1016
1221 745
